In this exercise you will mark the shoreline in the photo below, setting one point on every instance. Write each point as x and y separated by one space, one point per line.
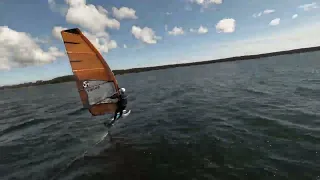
69 78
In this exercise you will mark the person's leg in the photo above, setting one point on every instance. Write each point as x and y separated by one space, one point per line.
117 110
114 118
112 121
121 111
115 115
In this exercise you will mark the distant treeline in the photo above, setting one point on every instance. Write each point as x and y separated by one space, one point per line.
61 79
236 58
69 78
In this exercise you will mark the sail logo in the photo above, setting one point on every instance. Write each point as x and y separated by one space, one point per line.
88 87
93 88
85 84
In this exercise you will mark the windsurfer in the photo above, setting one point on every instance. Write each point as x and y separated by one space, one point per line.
121 104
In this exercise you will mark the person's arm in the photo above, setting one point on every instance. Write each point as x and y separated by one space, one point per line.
114 96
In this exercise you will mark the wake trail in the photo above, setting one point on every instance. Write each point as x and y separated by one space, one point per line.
79 156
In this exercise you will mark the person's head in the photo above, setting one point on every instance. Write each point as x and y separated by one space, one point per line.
122 90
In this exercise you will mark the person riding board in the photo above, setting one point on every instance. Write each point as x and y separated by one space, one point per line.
121 104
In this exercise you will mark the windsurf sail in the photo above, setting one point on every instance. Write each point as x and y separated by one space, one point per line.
95 81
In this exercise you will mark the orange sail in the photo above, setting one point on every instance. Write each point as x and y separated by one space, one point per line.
95 80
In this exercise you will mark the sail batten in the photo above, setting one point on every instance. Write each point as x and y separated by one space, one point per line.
92 69
81 53
95 81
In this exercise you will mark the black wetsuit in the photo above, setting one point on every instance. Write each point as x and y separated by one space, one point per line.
122 104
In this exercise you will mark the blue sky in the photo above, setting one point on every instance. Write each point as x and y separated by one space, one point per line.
247 30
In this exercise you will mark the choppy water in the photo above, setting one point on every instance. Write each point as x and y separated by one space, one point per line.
256 119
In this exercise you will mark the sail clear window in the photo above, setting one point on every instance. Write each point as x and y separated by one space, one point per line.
99 91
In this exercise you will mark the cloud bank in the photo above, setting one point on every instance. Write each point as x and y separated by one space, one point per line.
19 49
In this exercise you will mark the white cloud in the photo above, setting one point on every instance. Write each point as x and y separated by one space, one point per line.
201 30
55 52
299 37
52 4
146 34
100 40
102 10
293 38
307 7
202 2
226 25
62 9
94 20
124 13
294 16
42 40
176 31
275 22
88 16
56 32
216 1
168 13
19 49
125 46
206 3
268 11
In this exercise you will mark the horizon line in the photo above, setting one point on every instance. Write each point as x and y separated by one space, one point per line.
226 59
